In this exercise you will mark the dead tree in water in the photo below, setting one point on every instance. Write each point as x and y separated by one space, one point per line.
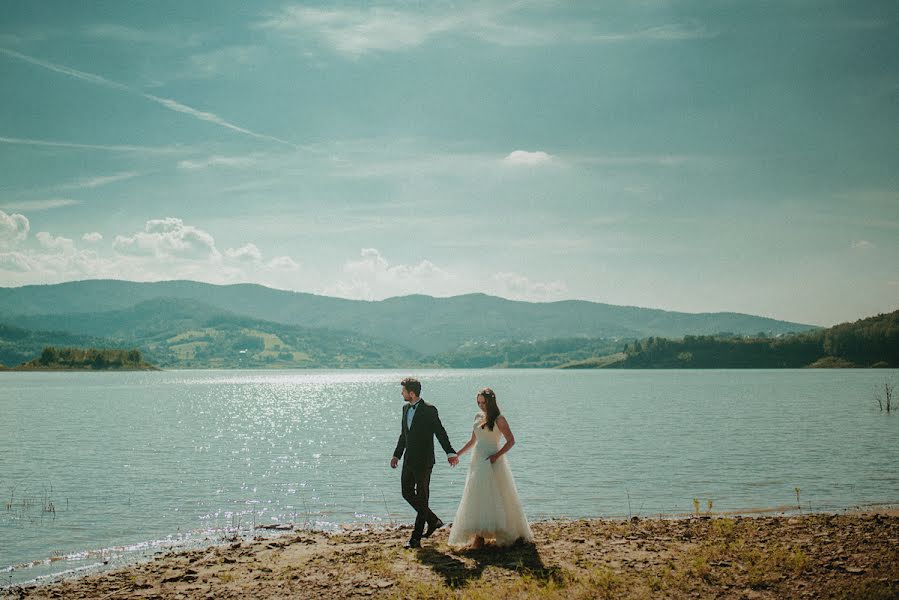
885 400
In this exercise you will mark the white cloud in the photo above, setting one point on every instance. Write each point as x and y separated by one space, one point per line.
246 253
218 161
525 158
283 263
519 287
37 205
373 264
55 244
373 278
13 228
58 260
862 245
15 262
166 249
168 238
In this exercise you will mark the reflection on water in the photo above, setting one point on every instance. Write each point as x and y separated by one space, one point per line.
184 457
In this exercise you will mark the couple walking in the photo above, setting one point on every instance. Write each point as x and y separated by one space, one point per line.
490 508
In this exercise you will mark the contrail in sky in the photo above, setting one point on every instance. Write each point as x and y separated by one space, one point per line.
116 148
166 102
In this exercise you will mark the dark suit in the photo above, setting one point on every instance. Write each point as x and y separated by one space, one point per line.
417 443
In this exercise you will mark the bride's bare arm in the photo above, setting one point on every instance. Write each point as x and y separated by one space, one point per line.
467 445
503 425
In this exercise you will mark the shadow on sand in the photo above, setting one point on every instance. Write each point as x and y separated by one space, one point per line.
523 558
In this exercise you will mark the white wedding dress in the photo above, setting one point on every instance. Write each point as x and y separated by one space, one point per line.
490 507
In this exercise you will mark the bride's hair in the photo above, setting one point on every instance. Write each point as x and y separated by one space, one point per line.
492 409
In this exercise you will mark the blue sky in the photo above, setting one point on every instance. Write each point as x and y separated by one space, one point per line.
696 156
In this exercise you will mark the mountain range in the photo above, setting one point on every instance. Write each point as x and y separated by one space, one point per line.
193 324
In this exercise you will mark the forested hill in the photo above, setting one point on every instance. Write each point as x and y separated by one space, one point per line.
430 325
871 342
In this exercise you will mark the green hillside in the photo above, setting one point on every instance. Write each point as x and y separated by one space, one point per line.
438 325
188 334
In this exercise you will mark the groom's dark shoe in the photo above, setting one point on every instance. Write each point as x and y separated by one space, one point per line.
412 544
432 527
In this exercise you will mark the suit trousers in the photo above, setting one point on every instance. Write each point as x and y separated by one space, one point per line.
416 483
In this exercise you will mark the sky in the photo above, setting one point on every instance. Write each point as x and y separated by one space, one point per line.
692 156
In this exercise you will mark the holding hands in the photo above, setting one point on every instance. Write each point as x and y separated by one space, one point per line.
452 460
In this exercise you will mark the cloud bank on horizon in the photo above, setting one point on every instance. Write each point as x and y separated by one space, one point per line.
678 155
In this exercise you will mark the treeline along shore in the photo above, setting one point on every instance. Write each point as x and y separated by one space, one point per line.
81 359
872 342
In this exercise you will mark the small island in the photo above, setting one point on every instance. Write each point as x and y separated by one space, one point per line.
87 359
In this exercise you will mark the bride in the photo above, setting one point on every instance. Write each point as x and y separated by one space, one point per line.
490 508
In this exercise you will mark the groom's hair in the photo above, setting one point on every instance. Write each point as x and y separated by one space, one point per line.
412 385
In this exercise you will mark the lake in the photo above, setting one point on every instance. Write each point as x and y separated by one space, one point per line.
109 467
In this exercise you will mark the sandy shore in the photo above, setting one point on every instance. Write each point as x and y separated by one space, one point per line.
808 556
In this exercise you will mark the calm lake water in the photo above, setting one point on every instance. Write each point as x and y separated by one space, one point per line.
137 462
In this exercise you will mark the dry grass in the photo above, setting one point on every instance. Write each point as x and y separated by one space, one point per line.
812 556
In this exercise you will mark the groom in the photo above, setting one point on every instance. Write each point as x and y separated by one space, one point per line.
419 426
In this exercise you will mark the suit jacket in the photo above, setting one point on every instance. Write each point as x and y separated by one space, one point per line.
418 441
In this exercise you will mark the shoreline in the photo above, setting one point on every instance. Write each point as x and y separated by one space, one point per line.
715 554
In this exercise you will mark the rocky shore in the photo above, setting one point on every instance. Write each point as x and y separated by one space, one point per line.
805 556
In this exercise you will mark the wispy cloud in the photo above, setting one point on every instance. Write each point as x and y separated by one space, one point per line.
108 147
212 118
132 35
222 61
357 31
38 205
95 182
644 160
218 161
168 103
